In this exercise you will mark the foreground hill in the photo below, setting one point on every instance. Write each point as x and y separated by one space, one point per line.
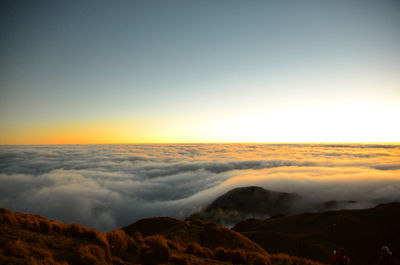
314 236
32 239
207 235
248 202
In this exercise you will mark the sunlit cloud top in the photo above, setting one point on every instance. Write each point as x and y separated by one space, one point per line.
205 71
111 186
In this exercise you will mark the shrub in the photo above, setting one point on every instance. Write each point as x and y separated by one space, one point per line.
156 251
74 229
132 245
237 256
42 256
199 251
91 255
96 237
45 226
220 253
32 223
57 227
118 242
7 217
234 256
137 236
174 246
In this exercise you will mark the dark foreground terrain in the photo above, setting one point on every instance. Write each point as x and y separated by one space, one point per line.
32 239
314 235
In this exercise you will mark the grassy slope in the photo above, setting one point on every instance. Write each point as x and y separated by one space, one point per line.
206 234
32 239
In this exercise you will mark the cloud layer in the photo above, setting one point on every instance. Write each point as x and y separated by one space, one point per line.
109 186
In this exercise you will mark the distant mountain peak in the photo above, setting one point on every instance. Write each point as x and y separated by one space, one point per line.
247 202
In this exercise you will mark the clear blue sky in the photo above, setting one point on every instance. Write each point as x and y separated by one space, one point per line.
199 71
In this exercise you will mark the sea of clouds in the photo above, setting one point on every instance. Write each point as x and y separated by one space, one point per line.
111 186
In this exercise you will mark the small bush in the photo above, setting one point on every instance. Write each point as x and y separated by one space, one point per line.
118 242
92 235
7 217
133 246
220 254
74 229
156 251
234 256
91 255
137 236
197 250
237 256
33 224
43 256
45 226
174 246
96 237
57 227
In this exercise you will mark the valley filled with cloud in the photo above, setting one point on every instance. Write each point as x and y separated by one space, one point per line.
110 186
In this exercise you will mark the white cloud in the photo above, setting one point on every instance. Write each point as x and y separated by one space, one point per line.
114 185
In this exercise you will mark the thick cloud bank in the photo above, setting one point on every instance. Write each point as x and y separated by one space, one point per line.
109 186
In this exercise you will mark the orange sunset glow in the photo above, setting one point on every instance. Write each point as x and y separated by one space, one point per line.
156 81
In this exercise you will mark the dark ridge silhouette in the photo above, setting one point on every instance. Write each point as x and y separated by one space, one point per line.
248 202
32 239
314 235
208 235
254 202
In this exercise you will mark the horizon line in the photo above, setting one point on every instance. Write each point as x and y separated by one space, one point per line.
164 143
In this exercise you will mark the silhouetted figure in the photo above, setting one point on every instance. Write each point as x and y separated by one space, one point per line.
339 258
333 257
386 256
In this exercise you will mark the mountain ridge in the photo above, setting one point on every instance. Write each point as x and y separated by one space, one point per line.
33 239
242 203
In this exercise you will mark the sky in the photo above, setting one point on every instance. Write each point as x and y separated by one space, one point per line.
86 72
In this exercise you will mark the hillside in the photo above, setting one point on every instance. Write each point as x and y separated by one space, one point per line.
248 202
207 235
32 239
314 236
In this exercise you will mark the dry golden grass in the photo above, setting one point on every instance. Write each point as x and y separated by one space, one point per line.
118 242
197 250
32 239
